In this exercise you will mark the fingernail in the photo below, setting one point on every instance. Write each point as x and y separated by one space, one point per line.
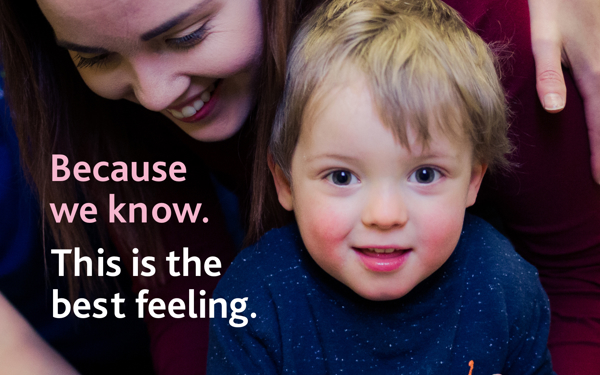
553 102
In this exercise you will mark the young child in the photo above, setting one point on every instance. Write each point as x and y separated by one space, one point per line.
391 115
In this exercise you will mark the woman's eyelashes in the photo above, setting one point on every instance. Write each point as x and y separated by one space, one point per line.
425 175
182 43
85 62
341 177
190 40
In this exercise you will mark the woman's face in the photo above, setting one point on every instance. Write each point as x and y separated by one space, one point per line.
195 61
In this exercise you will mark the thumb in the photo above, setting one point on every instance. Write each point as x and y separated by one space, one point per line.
550 82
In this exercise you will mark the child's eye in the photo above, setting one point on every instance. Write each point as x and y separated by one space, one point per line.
189 40
425 175
342 177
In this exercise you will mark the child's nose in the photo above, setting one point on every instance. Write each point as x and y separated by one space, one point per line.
385 209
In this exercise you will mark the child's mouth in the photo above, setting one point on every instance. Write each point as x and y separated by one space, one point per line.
382 259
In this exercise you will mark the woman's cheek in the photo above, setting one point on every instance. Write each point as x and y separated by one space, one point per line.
227 57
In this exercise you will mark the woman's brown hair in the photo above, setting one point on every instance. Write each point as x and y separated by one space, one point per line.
279 34
55 113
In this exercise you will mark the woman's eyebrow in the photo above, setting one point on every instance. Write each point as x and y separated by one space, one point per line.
166 26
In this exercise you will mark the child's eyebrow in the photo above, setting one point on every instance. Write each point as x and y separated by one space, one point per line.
348 158
433 155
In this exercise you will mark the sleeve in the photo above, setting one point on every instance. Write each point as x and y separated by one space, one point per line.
529 329
254 348
179 346
18 216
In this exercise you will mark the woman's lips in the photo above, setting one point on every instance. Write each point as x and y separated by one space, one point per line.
382 259
198 108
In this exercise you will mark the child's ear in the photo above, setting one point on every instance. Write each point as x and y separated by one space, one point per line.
282 184
477 173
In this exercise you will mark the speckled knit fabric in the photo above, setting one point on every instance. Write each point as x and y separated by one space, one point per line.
484 305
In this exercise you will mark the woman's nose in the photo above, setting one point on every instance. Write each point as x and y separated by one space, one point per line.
385 209
156 84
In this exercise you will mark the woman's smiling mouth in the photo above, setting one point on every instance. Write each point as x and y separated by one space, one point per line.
193 109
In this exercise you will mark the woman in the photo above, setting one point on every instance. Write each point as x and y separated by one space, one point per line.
167 58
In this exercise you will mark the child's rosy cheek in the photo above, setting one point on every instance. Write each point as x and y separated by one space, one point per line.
328 227
441 232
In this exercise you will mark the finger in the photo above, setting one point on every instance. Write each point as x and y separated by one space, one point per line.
592 109
546 43
586 71
550 82
584 58
595 147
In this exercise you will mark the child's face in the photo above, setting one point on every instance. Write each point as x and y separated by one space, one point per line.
374 215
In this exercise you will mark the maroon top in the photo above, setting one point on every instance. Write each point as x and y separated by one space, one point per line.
179 346
549 204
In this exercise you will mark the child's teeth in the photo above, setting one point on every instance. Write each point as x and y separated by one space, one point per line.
188 111
205 96
198 104
177 114
381 251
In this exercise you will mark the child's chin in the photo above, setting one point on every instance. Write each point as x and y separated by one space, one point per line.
377 294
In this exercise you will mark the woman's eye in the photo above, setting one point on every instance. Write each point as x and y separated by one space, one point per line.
189 40
85 62
342 178
425 175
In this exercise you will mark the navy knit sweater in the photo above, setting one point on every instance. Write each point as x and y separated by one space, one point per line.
484 305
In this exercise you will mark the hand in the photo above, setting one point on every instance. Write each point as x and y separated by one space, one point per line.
22 350
568 31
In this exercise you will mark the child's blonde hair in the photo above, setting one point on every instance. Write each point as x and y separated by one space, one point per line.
422 64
